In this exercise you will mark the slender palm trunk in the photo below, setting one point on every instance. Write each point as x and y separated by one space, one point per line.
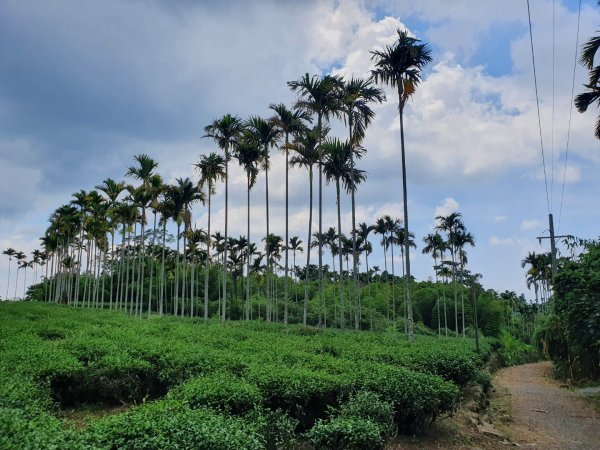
321 298
268 278
152 265
356 288
342 311
112 266
462 297
452 251
438 295
393 283
176 298
409 311
307 271
285 302
162 271
184 283
207 269
226 243
248 251
8 282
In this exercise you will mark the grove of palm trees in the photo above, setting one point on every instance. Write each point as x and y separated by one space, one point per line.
258 297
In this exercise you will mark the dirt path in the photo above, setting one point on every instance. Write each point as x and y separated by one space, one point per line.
544 415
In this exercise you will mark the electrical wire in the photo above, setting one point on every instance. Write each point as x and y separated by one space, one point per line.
537 100
562 195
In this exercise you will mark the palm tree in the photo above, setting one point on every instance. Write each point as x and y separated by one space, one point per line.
307 155
295 245
585 99
461 240
225 132
287 122
20 256
156 188
10 252
319 96
356 94
451 225
338 167
212 167
248 154
265 135
112 190
400 66
143 172
435 244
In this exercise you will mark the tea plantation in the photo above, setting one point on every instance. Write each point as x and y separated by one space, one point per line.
183 383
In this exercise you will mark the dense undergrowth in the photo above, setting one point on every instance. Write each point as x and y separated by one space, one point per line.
238 385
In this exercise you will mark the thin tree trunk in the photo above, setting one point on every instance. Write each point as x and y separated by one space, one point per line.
342 312
248 251
226 243
406 234
307 271
151 266
207 270
162 271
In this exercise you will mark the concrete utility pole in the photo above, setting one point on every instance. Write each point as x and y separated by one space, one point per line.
552 238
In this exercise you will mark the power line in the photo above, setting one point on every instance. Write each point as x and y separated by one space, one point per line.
553 102
537 100
562 195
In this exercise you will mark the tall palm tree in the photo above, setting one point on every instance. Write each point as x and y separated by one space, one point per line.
143 172
306 155
462 238
319 96
338 167
212 167
225 132
287 122
435 244
356 95
10 252
400 65
583 101
451 225
112 189
248 154
265 135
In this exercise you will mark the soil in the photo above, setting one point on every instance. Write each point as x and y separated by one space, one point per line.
546 414
528 409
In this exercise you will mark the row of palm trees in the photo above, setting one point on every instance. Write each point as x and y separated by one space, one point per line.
301 132
38 259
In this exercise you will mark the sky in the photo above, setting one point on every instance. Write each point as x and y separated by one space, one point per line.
85 86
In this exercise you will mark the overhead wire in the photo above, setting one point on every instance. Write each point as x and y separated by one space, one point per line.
562 195
553 102
537 100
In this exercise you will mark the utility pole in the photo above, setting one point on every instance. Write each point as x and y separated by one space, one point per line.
552 238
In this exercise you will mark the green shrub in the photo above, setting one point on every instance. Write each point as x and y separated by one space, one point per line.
368 405
220 391
171 424
346 433
277 428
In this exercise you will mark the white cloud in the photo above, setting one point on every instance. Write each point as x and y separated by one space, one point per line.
530 224
448 206
500 218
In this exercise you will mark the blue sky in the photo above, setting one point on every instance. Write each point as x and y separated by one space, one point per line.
84 86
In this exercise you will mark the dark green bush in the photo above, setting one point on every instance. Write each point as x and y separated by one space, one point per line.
368 405
343 433
221 391
171 424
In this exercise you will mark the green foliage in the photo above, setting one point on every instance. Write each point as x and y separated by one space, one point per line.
513 351
220 391
262 382
171 424
369 406
571 334
343 433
